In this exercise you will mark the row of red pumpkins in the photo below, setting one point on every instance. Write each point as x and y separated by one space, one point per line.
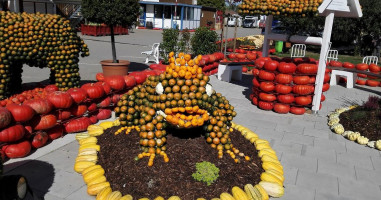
209 63
46 114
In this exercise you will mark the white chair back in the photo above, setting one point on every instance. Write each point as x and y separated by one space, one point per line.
298 51
370 60
332 55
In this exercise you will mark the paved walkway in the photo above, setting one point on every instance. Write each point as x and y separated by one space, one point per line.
318 164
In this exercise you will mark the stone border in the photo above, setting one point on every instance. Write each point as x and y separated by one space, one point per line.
333 123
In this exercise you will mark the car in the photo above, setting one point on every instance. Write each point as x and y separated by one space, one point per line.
232 20
249 23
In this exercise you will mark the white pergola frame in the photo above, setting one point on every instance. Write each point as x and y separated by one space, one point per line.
328 9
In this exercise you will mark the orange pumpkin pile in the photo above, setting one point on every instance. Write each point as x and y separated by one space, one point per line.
184 118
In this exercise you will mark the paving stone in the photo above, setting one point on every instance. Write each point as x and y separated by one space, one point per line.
292 192
298 139
298 121
290 174
72 182
376 162
335 169
291 148
317 133
329 144
355 159
300 162
80 194
290 128
321 126
321 182
327 154
353 147
329 196
72 146
372 176
269 134
63 160
358 189
52 197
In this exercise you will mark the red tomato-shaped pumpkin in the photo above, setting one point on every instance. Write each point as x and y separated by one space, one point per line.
77 125
105 102
327 78
348 65
372 83
307 68
115 98
93 119
360 82
301 80
362 75
303 100
40 106
312 79
44 122
17 150
93 91
335 63
91 106
283 89
268 76
265 105
281 108
267 86
286 98
104 114
240 56
79 95
326 87
256 82
244 69
374 68
5 117
106 87
12 133
116 82
255 100
78 110
303 89
51 88
260 63
139 77
267 97
60 99
55 132
297 110
362 66
232 56
130 81
283 78
255 72
100 77
322 98
62 114
251 56
21 113
40 139
271 65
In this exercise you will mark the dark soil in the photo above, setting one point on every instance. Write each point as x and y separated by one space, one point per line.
367 122
185 148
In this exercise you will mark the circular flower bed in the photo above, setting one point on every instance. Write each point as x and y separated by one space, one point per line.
115 157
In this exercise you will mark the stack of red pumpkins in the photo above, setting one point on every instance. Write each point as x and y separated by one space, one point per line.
209 63
285 86
363 78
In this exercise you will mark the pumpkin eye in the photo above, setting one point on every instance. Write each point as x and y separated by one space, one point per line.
209 89
159 88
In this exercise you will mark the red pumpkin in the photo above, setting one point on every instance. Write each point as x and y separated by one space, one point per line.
255 72
335 63
93 91
77 125
283 89
17 150
251 56
93 119
360 82
12 133
39 139
303 100
287 98
312 80
260 63
78 110
322 98
348 65
265 105
268 76
40 106
267 97
62 114
91 106
100 77
130 81
307 68
240 56
297 110
115 98
43 122
374 68
104 114
372 83
244 69
149 73
232 56
267 86
326 87
283 78
116 82
256 82
301 80
5 117
60 99
255 100
327 78
271 65
362 75
105 102
79 95
281 108
28 132
55 132
51 88
303 89
362 66
139 77
106 87
21 113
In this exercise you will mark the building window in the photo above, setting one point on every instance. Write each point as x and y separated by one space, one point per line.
190 13
158 11
178 12
167 12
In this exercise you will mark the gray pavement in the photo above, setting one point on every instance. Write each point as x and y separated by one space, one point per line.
318 164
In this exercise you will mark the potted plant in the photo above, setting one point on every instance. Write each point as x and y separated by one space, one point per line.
112 13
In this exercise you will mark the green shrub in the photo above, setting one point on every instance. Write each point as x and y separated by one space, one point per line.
169 43
183 44
204 41
206 172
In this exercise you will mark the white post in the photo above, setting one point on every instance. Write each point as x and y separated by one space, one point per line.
322 65
266 43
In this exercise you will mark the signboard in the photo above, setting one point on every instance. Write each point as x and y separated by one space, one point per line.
338 5
341 8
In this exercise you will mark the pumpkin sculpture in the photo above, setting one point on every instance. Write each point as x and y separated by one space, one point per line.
181 98
38 40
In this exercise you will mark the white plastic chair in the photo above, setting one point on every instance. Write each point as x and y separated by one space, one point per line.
298 51
154 54
332 55
370 60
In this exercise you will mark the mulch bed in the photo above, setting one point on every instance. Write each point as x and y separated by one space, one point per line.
367 122
185 148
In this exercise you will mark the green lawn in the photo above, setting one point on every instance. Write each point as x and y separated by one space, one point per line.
342 58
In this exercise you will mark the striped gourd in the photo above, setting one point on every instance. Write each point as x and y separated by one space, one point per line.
86 152
127 197
261 141
262 192
268 152
116 195
80 136
270 178
174 198
93 174
252 193
262 146
104 193
80 166
88 140
96 188
96 180
226 196
273 189
239 194
276 173
271 165
159 198
90 146
90 169
90 158
269 158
